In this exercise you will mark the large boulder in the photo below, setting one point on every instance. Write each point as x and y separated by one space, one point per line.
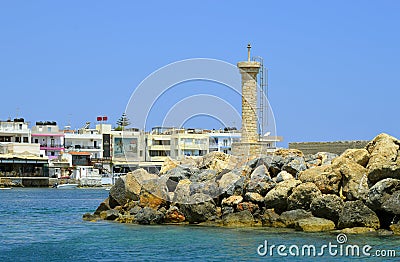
314 224
111 214
208 187
302 196
133 186
254 197
295 165
395 228
181 172
142 175
128 187
355 180
168 164
260 182
148 216
327 206
319 159
203 209
260 173
249 206
173 215
277 197
289 218
239 219
232 201
273 163
182 192
134 181
232 183
384 161
283 176
204 175
217 161
117 195
154 193
381 192
358 230
359 156
325 178
270 219
104 206
356 214
392 204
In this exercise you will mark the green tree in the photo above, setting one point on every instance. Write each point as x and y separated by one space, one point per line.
122 122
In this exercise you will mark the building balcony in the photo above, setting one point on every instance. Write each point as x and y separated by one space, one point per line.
193 146
51 147
82 147
160 147
158 158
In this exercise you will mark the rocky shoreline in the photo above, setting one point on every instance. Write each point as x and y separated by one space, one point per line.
356 192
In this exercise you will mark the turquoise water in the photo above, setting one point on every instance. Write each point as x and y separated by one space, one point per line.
47 225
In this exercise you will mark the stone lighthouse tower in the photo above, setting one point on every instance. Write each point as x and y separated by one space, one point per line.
249 70
250 144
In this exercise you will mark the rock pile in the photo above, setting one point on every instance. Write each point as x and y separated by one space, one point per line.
358 191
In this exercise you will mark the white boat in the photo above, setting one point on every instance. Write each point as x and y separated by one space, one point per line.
67 186
5 188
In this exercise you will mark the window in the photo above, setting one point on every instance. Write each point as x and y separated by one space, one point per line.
36 141
52 153
17 139
20 126
159 153
25 140
48 129
5 138
225 142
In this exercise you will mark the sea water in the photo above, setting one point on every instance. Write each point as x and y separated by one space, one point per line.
46 225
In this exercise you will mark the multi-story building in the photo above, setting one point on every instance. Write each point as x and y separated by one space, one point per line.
128 146
121 149
221 141
85 140
158 144
164 142
189 142
16 131
50 138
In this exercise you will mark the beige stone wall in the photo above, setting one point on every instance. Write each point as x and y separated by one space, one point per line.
337 147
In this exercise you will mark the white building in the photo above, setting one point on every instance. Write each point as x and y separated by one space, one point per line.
221 141
16 131
189 142
158 143
50 138
163 142
85 140
87 175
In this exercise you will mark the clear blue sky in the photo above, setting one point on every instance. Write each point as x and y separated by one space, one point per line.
334 66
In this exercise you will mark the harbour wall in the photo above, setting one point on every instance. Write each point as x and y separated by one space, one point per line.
336 147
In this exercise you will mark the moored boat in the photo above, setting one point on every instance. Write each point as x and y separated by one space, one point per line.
67 186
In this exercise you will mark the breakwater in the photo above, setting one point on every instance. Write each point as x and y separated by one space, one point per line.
355 192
